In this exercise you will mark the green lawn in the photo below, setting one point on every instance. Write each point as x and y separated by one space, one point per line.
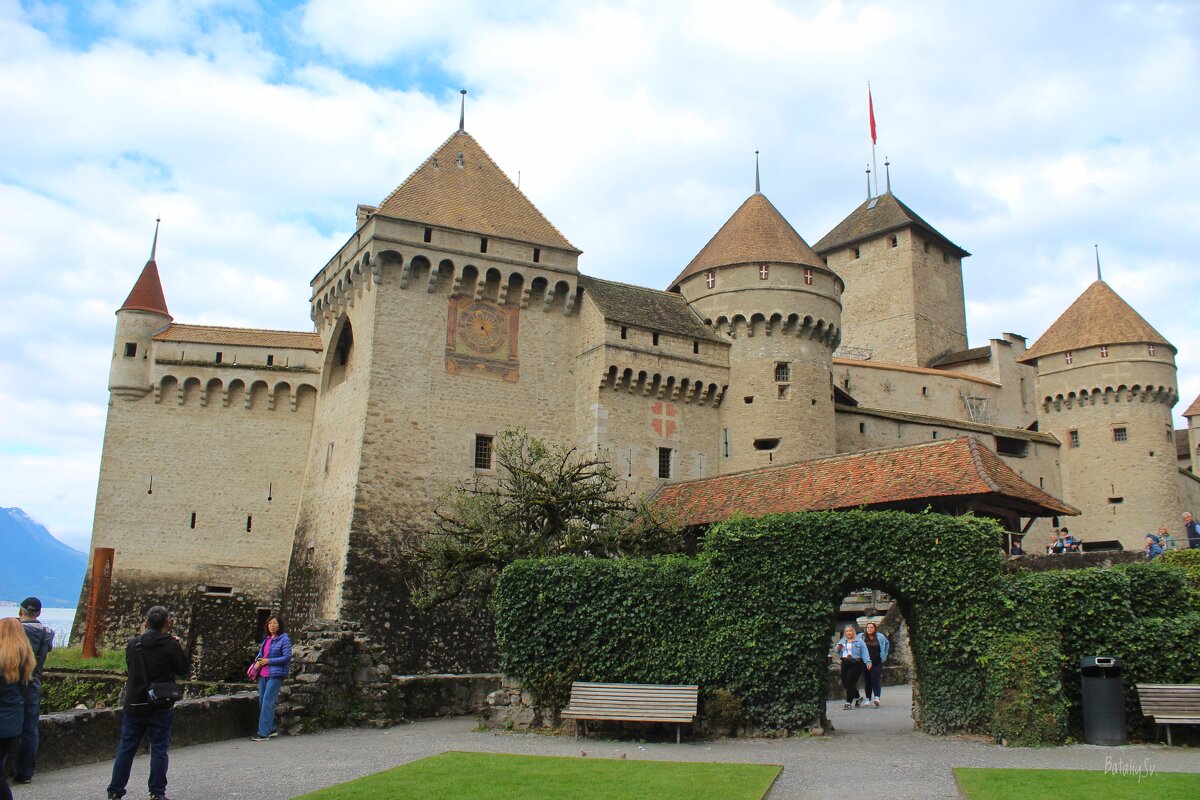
72 658
490 776
1117 784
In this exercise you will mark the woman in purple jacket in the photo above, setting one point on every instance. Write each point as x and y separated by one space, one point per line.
274 661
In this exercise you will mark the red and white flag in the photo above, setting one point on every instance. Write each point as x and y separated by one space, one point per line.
871 111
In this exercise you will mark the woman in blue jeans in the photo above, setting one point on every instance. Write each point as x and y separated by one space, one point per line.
274 661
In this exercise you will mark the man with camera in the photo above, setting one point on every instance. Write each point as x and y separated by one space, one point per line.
153 659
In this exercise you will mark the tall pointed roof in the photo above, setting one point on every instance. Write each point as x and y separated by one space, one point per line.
1098 316
147 294
876 216
756 232
460 187
1194 409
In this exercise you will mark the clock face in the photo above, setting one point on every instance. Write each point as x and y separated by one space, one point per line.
482 328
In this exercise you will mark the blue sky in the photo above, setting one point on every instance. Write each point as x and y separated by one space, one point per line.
1026 132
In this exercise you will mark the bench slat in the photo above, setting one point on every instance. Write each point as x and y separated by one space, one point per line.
629 702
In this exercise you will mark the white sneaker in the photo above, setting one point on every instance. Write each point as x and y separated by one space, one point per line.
875 702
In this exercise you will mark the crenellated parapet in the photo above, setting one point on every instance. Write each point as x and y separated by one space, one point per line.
675 388
778 323
253 394
1097 395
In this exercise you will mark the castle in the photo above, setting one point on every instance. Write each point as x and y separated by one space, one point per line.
244 469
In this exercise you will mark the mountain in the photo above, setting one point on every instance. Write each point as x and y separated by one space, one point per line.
35 563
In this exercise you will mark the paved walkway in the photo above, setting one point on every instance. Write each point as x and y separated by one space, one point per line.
874 747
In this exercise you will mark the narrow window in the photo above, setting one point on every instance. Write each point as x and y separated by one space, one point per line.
808 276
862 427
1041 483
328 457
664 462
537 254
270 361
763 272
193 525
249 522
925 391
1104 351
725 432
624 332
857 253
1120 434
483 245
130 349
895 242
710 278
217 360
1149 349
783 391
429 234
748 399
1073 439
483 451
783 371
695 346
654 337
1070 357
766 444
935 434
846 384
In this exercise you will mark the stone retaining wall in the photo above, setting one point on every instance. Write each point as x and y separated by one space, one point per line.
71 738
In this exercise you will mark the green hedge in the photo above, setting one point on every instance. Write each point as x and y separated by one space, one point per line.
1190 561
753 613
1025 690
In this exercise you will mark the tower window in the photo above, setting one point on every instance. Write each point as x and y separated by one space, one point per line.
935 434
1149 349
766 444
249 522
808 276
783 371
624 332
695 346
862 427
193 523
895 241
130 349
664 462
328 457
924 391
1073 439
483 245
857 253
429 234
483 451
710 278
537 254
1070 357
748 399
270 361
1104 351
1120 434
654 338
763 272
217 360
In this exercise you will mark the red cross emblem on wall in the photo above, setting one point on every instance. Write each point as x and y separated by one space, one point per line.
663 419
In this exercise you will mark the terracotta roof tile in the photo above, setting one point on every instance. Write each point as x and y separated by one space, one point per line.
756 233
147 293
877 216
244 337
476 196
650 309
1194 409
960 467
1098 316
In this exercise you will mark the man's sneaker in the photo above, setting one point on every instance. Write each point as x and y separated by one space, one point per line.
158 797
858 701
273 734
846 707
257 738
875 702
21 779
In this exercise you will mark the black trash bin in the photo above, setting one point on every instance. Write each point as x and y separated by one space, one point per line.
1103 700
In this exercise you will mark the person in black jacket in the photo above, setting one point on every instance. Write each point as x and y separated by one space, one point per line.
154 656
41 639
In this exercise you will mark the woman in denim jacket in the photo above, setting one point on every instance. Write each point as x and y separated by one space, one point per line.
854 657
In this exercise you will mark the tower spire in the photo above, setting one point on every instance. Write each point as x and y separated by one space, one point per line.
868 181
1097 262
462 110
887 167
154 244
757 182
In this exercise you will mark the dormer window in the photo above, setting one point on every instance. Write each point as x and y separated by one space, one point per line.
763 272
808 275
710 278
1070 357
1104 351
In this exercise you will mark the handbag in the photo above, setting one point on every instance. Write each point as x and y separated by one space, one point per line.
254 671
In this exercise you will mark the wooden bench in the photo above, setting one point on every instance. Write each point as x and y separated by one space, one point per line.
1170 704
631 702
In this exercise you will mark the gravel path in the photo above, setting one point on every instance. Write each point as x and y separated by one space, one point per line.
876 749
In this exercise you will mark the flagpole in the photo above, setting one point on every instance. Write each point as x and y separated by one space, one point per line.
874 162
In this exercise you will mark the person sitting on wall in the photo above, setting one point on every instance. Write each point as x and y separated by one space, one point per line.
1069 543
155 656
1153 547
1055 545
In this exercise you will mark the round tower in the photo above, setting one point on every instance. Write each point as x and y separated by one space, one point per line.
759 283
1107 382
143 314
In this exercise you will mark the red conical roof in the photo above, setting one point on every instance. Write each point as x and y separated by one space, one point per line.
147 294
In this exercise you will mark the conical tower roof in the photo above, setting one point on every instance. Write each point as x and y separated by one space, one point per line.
147 294
460 187
756 233
876 216
1194 409
1099 316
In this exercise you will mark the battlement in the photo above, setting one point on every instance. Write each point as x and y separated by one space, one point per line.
779 323
1167 395
257 395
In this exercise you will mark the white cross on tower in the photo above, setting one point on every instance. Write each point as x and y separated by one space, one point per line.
710 278
762 272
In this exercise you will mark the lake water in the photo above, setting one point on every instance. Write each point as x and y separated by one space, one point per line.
60 619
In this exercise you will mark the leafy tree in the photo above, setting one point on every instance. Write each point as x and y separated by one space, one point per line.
544 500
